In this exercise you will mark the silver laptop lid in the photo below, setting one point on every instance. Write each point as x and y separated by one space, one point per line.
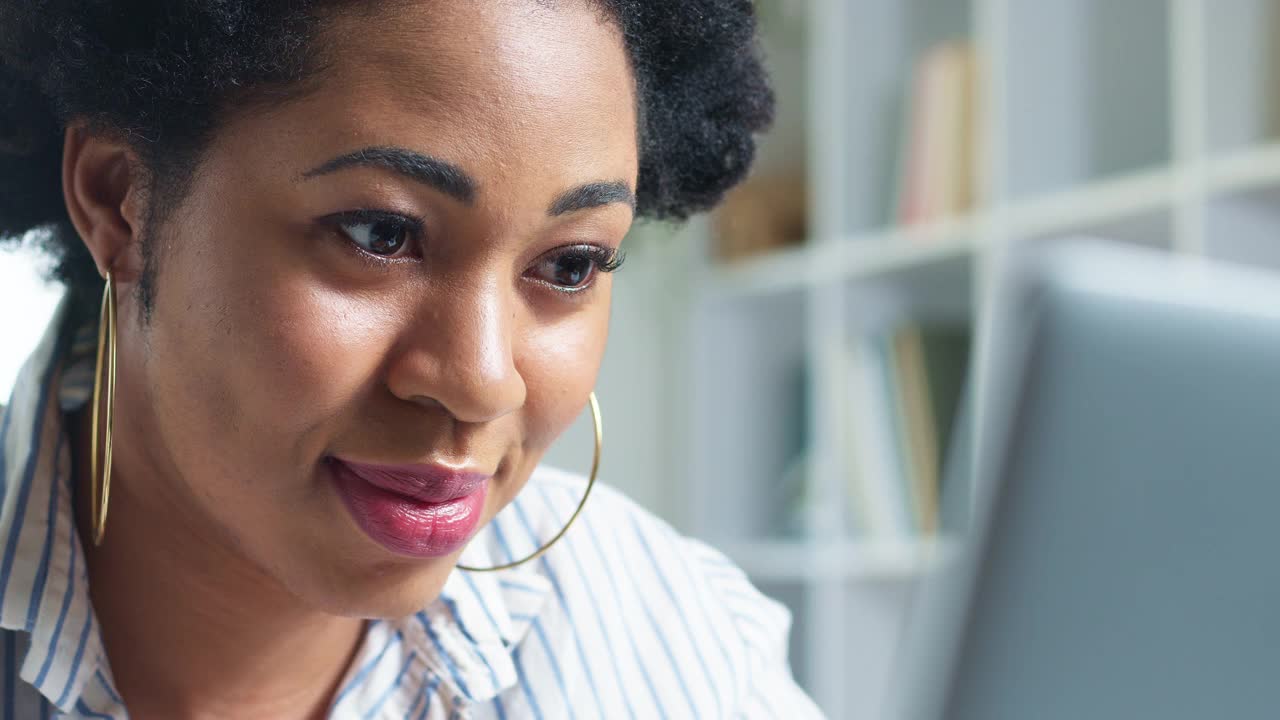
1127 502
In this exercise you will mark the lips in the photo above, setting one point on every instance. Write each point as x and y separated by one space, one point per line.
420 511
424 483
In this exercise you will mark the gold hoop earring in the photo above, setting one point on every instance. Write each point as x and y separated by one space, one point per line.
100 484
591 481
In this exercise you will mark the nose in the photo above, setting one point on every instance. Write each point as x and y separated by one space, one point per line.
459 354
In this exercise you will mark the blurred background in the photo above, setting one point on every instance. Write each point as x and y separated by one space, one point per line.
786 378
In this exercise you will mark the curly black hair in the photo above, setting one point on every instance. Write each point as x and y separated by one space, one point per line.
161 73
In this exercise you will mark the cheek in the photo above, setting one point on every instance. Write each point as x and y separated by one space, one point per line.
308 353
560 369
265 357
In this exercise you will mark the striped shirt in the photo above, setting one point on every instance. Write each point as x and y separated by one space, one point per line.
623 618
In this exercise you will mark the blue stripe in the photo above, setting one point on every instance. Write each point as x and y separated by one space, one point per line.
555 665
709 621
4 436
552 661
431 688
617 597
433 685
448 659
37 423
744 619
452 607
510 585
750 598
62 613
483 605
498 708
422 696
10 674
368 668
518 656
497 699
595 606
386 694
85 711
51 525
75 663
675 603
660 635
457 616
107 686
564 603
763 702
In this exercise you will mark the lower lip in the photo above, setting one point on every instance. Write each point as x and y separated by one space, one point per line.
406 526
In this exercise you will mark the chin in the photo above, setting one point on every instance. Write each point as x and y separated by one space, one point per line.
384 592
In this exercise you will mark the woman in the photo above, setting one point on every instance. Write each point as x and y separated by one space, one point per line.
347 265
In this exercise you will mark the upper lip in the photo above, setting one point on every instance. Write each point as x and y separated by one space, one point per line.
426 483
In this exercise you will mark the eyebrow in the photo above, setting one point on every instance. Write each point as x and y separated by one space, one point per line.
456 183
434 172
593 195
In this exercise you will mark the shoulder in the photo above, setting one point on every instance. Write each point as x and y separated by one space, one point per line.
685 604
655 555
612 522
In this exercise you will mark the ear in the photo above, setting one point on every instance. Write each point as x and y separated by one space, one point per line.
102 189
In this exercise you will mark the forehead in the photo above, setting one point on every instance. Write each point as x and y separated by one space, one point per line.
497 86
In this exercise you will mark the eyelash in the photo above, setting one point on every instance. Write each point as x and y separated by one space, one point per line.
604 259
404 223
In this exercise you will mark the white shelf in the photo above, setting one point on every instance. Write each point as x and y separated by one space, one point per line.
904 249
779 561
1091 206
885 253
1245 170
893 251
774 272
877 254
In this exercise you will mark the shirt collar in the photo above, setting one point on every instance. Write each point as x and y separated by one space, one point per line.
43 582
463 641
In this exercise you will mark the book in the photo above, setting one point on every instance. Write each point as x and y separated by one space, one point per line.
876 484
938 165
904 391
917 424
766 213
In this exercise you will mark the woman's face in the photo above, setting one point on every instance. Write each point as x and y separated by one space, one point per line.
388 270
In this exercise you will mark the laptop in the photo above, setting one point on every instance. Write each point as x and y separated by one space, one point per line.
1121 559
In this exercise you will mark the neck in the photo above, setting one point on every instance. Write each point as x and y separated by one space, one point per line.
192 629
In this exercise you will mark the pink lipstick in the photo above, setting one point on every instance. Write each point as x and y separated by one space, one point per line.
420 511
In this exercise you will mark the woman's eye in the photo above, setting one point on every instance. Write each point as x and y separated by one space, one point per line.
575 269
382 234
570 271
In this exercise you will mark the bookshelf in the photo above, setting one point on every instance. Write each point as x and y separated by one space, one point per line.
1154 122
